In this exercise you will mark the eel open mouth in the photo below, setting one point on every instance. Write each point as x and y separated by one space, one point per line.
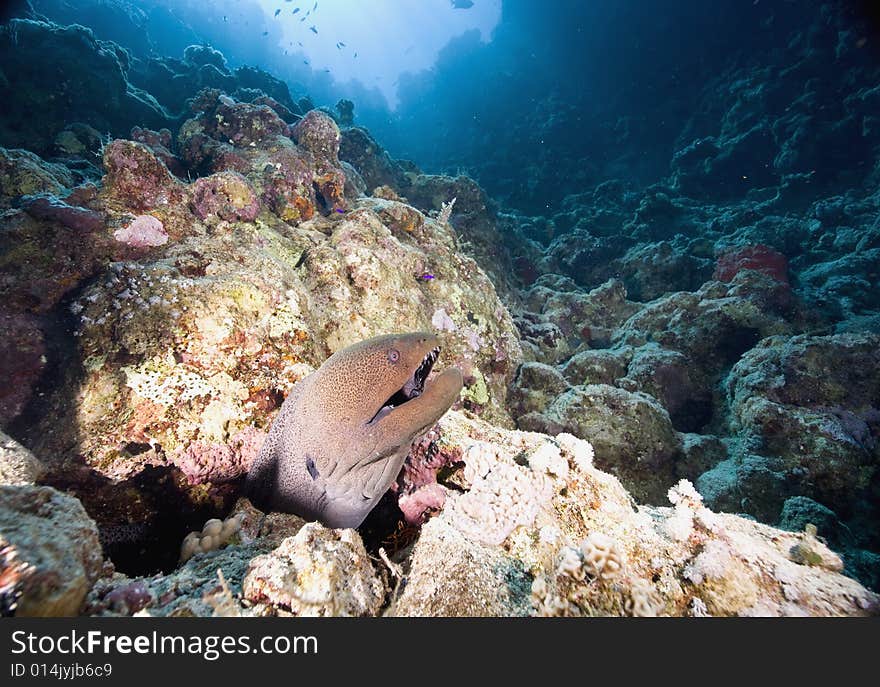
412 388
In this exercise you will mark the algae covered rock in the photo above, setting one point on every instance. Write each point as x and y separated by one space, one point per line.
633 434
18 466
812 403
318 572
49 552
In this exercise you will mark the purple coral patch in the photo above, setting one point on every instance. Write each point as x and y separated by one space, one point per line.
145 231
226 195
56 210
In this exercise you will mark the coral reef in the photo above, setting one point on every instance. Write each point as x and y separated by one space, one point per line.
183 241
316 573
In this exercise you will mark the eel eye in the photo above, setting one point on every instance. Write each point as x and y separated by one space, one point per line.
393 355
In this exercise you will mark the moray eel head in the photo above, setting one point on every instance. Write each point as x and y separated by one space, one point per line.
345 430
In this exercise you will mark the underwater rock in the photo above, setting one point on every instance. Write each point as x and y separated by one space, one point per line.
296 181
670 377
652 270
632 433
136 179
319 134
810 403
18 466
160 142
189 341
451 575
712 326
23 173
22 362
42 60
535 387
571 542
373 163
53 209
319 572
45 257
225 195
49 552
705 556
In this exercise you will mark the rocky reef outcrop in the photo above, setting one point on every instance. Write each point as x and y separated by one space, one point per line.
648 370
530 527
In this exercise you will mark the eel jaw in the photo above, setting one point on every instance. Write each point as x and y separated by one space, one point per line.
413 387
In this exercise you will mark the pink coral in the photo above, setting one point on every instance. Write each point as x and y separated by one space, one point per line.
756 257
419 492
204 461
129 598
145 231
430 497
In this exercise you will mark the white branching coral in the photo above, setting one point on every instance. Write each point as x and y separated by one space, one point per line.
581 451
711 563
547 460
507 497
642 601
570 562
603 559
446 211
214 534
689 512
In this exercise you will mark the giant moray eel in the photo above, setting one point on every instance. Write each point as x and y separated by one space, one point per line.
344 431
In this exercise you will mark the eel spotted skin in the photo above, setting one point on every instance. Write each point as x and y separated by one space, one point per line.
344 431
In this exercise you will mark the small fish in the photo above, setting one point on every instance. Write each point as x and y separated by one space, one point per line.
315 7
302 19
340 211
265 33
299 43
355 54
342 44
305 61
225 18
427 276
277 12
296 10
462 4
313 29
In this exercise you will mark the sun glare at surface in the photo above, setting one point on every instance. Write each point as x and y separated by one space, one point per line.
374 42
